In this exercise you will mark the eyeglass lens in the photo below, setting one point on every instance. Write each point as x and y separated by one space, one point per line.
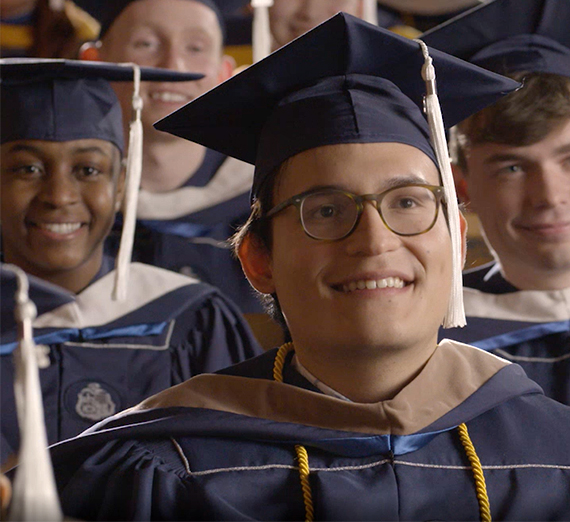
407 210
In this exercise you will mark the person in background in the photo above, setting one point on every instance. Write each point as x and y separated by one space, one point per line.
44 28
290 19
192 199
357 234
512 162
62 181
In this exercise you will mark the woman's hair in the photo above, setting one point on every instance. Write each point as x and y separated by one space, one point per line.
521 118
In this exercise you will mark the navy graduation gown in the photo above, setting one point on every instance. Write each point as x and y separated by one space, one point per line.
106 355
530 327
186 230
222 447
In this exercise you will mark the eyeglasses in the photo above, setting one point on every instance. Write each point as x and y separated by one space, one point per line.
333 214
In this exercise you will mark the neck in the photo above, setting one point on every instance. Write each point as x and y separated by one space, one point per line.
365 377
529 278
168 164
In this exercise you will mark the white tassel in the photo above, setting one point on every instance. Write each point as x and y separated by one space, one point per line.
370 11
261 38
455 315
34 493
133 179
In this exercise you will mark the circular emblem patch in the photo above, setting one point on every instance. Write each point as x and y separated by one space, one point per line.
92 401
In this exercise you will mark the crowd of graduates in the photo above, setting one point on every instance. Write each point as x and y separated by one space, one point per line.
249 277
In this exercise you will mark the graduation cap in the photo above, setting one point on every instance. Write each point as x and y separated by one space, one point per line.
64 100
111 10
34 493
508 36
346 81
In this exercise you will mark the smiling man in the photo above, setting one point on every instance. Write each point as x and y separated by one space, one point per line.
513 163
62 181
355 232
192 198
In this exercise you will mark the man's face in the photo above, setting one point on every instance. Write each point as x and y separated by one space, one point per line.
58 203
315 280
291 18
182 35
522 197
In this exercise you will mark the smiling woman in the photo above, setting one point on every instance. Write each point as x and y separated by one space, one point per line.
61 184
58 204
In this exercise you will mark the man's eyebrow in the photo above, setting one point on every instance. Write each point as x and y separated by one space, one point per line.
396 181
513 156
400 181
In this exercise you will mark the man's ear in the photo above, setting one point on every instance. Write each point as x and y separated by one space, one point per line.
89 51
463 230
227 66
255 260
461 185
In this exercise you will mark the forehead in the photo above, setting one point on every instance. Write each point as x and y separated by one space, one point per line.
185 13
62 148
358 167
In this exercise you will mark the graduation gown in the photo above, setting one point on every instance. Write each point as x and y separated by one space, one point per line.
186 230
530 327
108 355
222 447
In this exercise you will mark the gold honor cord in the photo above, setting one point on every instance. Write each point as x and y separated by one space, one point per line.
303 457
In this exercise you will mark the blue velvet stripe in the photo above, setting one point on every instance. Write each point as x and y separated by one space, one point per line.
87 334
177 228
376 445
518 336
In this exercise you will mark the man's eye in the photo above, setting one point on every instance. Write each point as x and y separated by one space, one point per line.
327 211
510 169
406 203
144 44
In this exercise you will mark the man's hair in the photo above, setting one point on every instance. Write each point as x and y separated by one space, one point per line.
258 229
521 118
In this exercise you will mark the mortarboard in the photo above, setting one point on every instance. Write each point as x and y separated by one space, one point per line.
347 81
64 100
113 9
508 36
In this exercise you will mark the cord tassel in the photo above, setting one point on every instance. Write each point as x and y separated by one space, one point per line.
455 315
304 471
133 179
35 495
480 485
261 38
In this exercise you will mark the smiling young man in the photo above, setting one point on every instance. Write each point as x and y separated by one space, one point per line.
192 199
62 181
513 163
363 416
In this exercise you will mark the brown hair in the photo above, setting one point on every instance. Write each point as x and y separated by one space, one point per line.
521 118
258 228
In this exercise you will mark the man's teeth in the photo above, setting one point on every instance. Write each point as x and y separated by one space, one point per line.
169 97
61 228
372 284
